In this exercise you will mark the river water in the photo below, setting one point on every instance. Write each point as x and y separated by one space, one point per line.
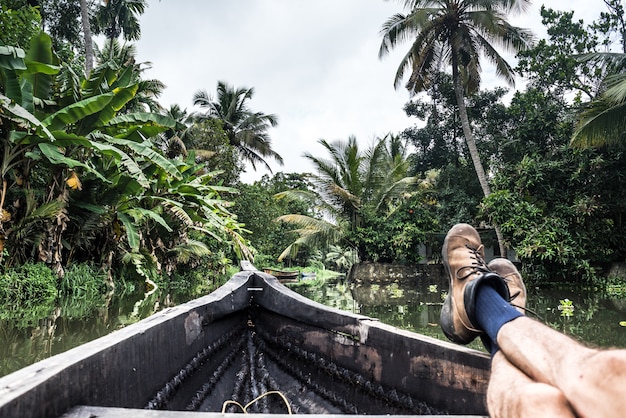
588 316
34 334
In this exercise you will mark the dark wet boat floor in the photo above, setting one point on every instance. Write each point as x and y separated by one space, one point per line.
246 364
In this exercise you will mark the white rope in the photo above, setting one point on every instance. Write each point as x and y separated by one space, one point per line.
252 402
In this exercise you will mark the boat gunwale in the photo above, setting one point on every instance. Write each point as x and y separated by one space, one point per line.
35 384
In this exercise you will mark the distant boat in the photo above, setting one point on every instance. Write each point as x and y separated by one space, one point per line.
308 274
254 346
283 275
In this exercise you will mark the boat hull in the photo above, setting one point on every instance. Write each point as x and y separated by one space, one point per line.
195 356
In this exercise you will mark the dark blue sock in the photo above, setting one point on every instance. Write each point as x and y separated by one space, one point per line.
492 311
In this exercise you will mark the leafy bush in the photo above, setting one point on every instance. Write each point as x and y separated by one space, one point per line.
83 281
28 282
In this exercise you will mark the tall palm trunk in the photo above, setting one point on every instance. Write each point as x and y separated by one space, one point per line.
471 144
84 13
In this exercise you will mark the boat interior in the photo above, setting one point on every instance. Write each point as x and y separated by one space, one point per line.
253 346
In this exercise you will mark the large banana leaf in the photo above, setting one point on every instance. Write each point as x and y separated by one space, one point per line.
142 118
55 156
132 234
145 149
121 96
11 85
142 123
41 63
23 117
12 58
65 139
125 160
140 213
26 89
97 209
77 111
124 78
35 67
103 75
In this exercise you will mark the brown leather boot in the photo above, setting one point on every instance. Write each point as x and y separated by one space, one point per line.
463 258
507 270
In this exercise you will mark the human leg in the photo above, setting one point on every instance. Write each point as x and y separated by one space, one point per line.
594 381
464 261
512 394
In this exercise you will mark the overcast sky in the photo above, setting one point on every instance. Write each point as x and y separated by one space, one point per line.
314 64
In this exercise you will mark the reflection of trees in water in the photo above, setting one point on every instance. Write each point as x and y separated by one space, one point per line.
595 318
416 307
29 333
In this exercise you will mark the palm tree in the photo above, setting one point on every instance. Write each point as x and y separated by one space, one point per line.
456 33
603 120
148 90
84 14
117 17
246 130
177 141
348 183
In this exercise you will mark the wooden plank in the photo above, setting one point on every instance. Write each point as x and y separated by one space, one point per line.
102 412
444 375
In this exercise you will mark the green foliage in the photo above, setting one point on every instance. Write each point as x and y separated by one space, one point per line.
396 237
440 150
83 181
117 17
61 18
341 259
211 145
257 208
550 247
247 131
33 282
83 281
615 287
19 22
193 282
566 307
602 121
551 64
350 189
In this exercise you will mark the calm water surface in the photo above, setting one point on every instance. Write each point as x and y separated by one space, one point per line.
591 317
34 334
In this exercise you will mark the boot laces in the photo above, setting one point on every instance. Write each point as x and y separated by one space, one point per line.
478 265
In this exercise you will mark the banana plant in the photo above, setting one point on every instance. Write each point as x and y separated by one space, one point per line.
113 194
77 130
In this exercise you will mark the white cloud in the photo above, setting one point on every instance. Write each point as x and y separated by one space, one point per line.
313 63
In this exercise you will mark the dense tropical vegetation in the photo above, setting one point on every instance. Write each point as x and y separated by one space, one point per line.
458 34
96 172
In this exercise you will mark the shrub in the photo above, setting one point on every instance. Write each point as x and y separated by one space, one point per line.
28 282
83 281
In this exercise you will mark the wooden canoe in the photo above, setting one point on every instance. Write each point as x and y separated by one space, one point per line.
253 338
283 275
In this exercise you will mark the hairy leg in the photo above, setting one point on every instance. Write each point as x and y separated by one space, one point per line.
512 394
594 381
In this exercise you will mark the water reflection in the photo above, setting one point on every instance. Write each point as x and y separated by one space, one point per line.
595 318
32 333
